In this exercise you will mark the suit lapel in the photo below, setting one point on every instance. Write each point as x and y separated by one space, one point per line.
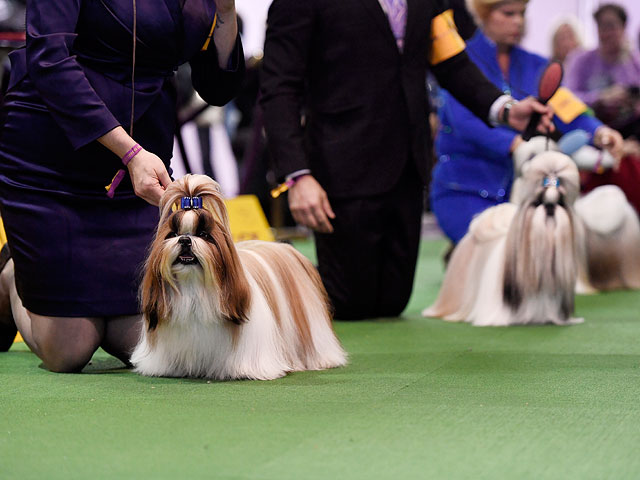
415 23
375 10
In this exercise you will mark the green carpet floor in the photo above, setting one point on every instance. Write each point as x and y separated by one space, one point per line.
421 398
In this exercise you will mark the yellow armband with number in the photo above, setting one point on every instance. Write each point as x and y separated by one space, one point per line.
566 105
446 42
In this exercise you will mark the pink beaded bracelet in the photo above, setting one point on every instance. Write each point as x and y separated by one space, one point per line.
111 188
131 153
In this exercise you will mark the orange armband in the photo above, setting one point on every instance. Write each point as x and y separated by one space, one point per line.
446 42
566 105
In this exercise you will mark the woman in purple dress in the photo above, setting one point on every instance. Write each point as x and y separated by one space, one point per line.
66 131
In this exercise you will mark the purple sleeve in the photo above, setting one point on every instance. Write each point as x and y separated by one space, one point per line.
58 77
578 70
287 47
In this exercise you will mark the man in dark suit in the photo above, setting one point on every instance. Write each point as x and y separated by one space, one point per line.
357 160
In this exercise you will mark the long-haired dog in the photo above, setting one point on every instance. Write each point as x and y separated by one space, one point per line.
518 264
219 310
612 240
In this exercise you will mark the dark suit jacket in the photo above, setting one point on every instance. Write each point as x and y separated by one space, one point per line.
365 103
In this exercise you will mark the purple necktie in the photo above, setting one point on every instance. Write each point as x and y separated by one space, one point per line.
397 12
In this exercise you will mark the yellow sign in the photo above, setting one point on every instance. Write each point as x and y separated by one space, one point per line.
446 42
247 219
3 240
3 236
566 105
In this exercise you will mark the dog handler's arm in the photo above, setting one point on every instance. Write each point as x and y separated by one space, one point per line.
455 71
288 41
521 112
226 31
310 205
148 173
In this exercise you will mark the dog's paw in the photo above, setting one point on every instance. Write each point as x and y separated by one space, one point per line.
575 321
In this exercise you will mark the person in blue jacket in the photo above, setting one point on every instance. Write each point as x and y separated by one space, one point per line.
74 92
474 168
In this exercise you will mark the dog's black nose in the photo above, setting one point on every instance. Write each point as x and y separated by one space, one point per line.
185 241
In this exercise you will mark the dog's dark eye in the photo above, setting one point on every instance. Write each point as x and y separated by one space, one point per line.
171 235
205 236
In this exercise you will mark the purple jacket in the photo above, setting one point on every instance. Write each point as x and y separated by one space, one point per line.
74 78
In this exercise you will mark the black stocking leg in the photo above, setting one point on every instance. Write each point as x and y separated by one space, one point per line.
121 336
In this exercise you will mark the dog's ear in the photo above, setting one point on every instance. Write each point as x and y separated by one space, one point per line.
153 289
153 300
235 293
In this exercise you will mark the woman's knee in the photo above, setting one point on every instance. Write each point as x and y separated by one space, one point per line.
66 345
121 336
66 361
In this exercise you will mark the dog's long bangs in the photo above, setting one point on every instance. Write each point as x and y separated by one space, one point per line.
154 295
515 247
540 255
541 232
569 184
223 269
527 254
194 186
565 251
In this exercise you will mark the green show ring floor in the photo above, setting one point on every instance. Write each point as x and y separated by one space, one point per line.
420 398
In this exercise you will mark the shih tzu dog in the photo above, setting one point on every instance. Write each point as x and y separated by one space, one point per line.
611 241
219 310
518 263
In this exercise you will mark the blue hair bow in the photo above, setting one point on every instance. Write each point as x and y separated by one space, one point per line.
551 181
191 203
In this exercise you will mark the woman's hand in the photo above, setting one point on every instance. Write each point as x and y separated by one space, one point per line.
609 139
522 111
148 176
310 205
614 96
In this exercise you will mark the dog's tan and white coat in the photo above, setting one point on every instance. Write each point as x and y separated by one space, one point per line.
611 241
221 310
518 264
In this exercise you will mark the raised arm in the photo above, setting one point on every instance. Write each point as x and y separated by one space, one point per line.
218 69
287 47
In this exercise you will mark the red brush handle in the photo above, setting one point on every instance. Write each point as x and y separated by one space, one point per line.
549 83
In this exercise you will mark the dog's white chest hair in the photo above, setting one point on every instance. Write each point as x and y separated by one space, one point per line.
222 310
198 342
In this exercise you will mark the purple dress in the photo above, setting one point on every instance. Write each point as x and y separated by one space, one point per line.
76 251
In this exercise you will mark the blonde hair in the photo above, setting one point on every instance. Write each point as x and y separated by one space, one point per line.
480 9
566 20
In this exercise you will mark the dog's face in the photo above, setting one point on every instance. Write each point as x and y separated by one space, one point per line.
188 239
549 179
193 245
541 243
